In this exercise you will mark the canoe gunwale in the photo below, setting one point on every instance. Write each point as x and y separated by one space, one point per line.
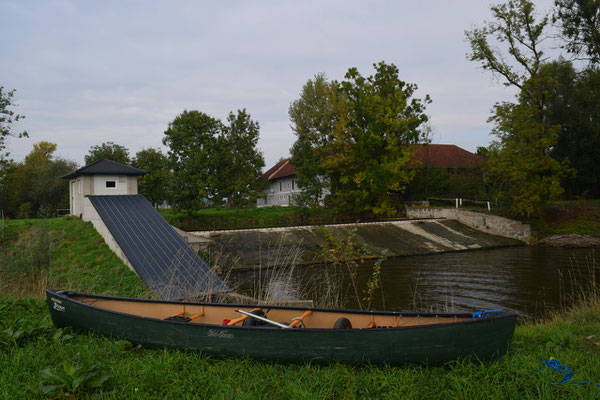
67 296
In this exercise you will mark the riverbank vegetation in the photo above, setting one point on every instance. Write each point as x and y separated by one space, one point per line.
40 361
36 356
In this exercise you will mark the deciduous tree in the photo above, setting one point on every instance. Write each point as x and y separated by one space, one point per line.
156 183
7 119
239 161
360 135
192 140
579 21
520 164
109 150
36 184
313 118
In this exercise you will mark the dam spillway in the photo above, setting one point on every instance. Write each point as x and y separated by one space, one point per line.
271 247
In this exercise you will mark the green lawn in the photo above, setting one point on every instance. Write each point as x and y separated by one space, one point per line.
134 372
253 217
34 355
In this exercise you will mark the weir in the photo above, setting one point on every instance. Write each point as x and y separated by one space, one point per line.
279 246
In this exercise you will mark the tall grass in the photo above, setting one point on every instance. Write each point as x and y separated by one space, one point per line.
25 264
64 253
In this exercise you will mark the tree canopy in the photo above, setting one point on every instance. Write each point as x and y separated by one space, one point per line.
579 21
212 161
520 165
110 151
155 184
35 186
7 118
354 138
239 162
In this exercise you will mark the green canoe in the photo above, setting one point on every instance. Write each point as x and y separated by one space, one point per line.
288 334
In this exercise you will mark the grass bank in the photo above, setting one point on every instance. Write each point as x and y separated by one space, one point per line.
254 217
38 360
564 217
29 362
73 256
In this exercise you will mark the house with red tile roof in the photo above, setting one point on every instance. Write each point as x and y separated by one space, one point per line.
282 185
282 177
448 156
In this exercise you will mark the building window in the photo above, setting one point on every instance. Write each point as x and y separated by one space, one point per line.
280 186
111 184
292 184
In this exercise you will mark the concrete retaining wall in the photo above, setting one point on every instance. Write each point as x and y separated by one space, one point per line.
483 222
281 246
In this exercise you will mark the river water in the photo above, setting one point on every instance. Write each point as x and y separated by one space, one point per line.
530 280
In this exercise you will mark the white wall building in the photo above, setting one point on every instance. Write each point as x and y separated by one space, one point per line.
282 185
100 178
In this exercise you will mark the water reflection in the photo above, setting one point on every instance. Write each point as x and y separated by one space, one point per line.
529 280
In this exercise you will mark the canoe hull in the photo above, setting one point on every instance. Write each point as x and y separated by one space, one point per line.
485 339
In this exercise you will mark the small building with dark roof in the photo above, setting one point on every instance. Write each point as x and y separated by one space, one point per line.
100 178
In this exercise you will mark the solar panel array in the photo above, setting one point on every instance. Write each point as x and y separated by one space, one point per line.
161 258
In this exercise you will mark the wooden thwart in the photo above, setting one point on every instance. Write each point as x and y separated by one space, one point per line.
299 319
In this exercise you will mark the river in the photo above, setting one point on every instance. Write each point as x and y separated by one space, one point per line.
530 280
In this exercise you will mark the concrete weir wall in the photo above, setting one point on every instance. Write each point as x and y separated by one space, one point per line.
278 246
483 222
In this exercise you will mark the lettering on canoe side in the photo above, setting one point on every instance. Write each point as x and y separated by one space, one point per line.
58 307
220 334
56 300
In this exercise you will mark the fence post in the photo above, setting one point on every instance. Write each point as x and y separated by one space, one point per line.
456 201
488 204
460 201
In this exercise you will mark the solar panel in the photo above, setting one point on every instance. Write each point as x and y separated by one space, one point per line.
160 257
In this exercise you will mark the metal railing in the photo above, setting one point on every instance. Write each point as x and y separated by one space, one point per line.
460 202
61 212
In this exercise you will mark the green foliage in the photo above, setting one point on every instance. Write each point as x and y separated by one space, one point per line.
192 139
212 161
80 260
345 252
25 265
520 168
35 185
239 162
7 119
72 379
374 282
110 151
252 217
441 182
574 104
353 138
579 21
156 183
313 118
158 374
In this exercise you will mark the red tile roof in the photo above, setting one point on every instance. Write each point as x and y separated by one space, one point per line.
431 155
446 156
282 169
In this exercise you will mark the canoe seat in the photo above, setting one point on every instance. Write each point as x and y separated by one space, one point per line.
178 318
253 321
181 317
342 323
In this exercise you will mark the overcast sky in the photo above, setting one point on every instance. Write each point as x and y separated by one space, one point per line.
88 72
